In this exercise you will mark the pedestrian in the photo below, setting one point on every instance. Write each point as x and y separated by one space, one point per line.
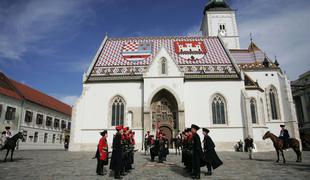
116 159
102 155
249 146
197 152
210 156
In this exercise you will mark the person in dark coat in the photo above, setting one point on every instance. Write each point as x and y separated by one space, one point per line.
102 153
197 152
116 160
210 156
284 135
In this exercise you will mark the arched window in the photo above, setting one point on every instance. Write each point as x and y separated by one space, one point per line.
273 103
163 66
118 108
253 110
218 110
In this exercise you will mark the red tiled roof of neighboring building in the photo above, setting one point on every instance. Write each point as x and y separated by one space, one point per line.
9 93
14 89
40 98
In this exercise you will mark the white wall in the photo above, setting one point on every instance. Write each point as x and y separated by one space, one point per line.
91 112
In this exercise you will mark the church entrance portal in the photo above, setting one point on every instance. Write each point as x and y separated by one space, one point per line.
164 114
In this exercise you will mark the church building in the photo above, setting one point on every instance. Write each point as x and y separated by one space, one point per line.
172 82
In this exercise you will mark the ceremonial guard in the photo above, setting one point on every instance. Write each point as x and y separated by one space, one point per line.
284 135
197 152
8 133
116 161
162 148
102 153
166 147
210 156
187 150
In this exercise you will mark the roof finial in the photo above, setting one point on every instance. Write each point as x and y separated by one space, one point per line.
106 34
251 39
276 61
265 62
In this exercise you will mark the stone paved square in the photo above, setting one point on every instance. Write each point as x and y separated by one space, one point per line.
49 165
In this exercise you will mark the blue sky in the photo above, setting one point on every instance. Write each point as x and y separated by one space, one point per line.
49 44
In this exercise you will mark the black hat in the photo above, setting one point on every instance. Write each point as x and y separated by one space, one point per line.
7 127
187 129
195 127
205 130
282 125
103 132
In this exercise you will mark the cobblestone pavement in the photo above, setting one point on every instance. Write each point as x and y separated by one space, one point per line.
79 165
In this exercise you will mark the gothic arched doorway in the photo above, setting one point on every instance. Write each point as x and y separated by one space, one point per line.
164 113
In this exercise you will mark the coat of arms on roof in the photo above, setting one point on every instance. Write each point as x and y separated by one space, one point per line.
190 50
136 51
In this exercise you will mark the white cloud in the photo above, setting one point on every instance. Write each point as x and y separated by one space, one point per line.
68 99
26 25
283 33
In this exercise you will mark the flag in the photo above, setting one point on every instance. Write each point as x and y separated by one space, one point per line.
136 51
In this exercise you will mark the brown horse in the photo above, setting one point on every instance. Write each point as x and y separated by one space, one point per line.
278 145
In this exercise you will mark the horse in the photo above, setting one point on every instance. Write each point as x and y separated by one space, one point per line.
11 144
178 145
278 145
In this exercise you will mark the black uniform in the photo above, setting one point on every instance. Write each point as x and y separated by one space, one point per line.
197 154
187 154
116 160
154 149
210 155
284 135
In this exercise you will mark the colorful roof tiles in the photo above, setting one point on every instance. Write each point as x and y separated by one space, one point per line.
213 60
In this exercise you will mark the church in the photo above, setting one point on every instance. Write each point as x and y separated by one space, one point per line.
172 82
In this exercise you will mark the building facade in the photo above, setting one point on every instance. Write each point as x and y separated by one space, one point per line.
301 95
172 82
44 121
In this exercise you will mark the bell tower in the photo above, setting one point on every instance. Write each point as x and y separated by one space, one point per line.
220 20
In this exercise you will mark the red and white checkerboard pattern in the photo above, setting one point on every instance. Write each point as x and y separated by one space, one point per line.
111 55
130 47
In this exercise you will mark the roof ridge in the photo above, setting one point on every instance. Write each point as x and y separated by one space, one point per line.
160 37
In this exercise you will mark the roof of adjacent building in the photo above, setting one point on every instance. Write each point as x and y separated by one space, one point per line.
20 91
110 60
252 58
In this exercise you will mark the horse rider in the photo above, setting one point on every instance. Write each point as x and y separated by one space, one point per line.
8 133
197 152
284 136
209 153
249 145
102 153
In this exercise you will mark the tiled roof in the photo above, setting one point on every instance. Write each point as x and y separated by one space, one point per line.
21 91
7 89
38 97
111 61
251 58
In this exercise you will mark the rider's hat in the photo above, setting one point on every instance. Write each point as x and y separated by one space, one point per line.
282 125
7 127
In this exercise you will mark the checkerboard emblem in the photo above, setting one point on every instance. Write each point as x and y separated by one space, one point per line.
136 51
190 50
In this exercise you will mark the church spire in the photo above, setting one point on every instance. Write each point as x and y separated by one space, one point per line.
216 5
